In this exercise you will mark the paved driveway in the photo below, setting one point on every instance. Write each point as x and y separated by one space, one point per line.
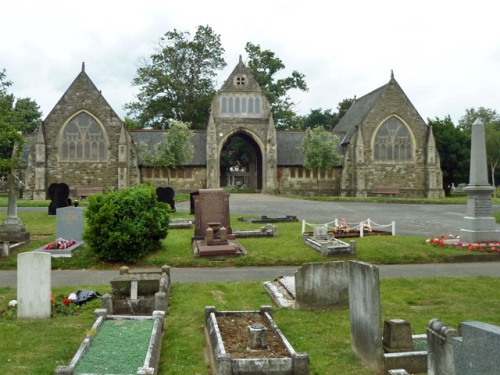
426 220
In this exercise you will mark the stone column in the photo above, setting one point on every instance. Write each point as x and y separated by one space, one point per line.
479 225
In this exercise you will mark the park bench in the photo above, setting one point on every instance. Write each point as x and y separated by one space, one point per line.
84 192
385 190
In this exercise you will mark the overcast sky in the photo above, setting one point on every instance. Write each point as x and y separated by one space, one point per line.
445 54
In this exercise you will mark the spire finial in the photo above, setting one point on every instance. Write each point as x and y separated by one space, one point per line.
83 66
392 74
241 60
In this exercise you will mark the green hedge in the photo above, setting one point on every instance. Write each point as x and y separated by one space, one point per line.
125 225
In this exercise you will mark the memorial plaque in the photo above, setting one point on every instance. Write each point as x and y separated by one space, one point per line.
211 205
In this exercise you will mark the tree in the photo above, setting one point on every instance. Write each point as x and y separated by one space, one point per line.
9 134
493 151
487 116
453 145
264 65
28 115
327 118
178 80
320 150
173 150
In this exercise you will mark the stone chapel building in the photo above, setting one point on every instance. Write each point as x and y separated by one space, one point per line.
384 144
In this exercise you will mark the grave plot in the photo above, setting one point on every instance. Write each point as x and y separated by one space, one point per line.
250 342
326 244
339 228
138 292
119 345
264 219
69 233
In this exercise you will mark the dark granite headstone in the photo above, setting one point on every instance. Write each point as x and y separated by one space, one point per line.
191 201
59 197
211 205
166 195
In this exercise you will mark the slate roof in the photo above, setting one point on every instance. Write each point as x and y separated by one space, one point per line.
357 113
288 145
152 137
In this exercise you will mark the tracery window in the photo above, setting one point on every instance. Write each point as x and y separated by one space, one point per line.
240 105
83 139
393 142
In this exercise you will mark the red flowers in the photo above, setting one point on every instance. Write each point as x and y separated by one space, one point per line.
486 247
59 244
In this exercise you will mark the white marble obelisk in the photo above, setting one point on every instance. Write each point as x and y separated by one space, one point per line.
480 225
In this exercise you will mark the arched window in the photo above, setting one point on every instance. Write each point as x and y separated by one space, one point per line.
250 105
230 104
393 142
237 105
257 105
224 104
83 139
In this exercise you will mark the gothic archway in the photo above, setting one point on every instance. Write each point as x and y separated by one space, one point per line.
241 163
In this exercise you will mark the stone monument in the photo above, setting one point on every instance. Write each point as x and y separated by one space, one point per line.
479 224
13 229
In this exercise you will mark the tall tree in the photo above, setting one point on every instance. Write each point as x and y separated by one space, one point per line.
453 145
327 118
28 115
320 150
487 116
493 151
264 66
174 150
10 134
178 80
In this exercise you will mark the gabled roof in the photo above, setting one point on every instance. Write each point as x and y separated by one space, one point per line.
240 70
357 113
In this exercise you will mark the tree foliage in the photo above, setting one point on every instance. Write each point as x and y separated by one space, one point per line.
173 150
453 145
493 150
264 65
16 117
320 149
178 80
327 118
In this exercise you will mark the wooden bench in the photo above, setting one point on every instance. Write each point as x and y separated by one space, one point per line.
84 192
385 190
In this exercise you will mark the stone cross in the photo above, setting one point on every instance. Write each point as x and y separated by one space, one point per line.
12 204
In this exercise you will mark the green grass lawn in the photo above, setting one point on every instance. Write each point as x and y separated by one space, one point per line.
323 335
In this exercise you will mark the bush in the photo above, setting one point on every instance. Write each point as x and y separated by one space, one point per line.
125 225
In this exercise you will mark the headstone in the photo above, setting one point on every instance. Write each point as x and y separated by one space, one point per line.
59 197
166 195
365 314
321 286
191 201
211 206
33 285
479 224
69 223
476 351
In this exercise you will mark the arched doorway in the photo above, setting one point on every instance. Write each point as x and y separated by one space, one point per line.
241 163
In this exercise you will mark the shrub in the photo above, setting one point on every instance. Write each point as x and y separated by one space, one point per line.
125 225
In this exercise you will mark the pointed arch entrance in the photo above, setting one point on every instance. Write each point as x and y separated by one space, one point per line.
241 162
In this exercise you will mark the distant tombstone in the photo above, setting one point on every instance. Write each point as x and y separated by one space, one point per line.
166 195
58 194
69 223
191 201
33 285
211 206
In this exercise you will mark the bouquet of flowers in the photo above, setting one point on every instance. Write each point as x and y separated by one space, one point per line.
59 244
342 227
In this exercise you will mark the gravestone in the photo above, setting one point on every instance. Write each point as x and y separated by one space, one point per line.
211 206
59 197
33 285
166 195
191 201
440 348
365 314
479 224
476 351
69 223
321 286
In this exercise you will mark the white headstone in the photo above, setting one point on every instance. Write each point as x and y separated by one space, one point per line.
33 285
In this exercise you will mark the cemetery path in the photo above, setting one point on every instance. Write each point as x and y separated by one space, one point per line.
82 278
